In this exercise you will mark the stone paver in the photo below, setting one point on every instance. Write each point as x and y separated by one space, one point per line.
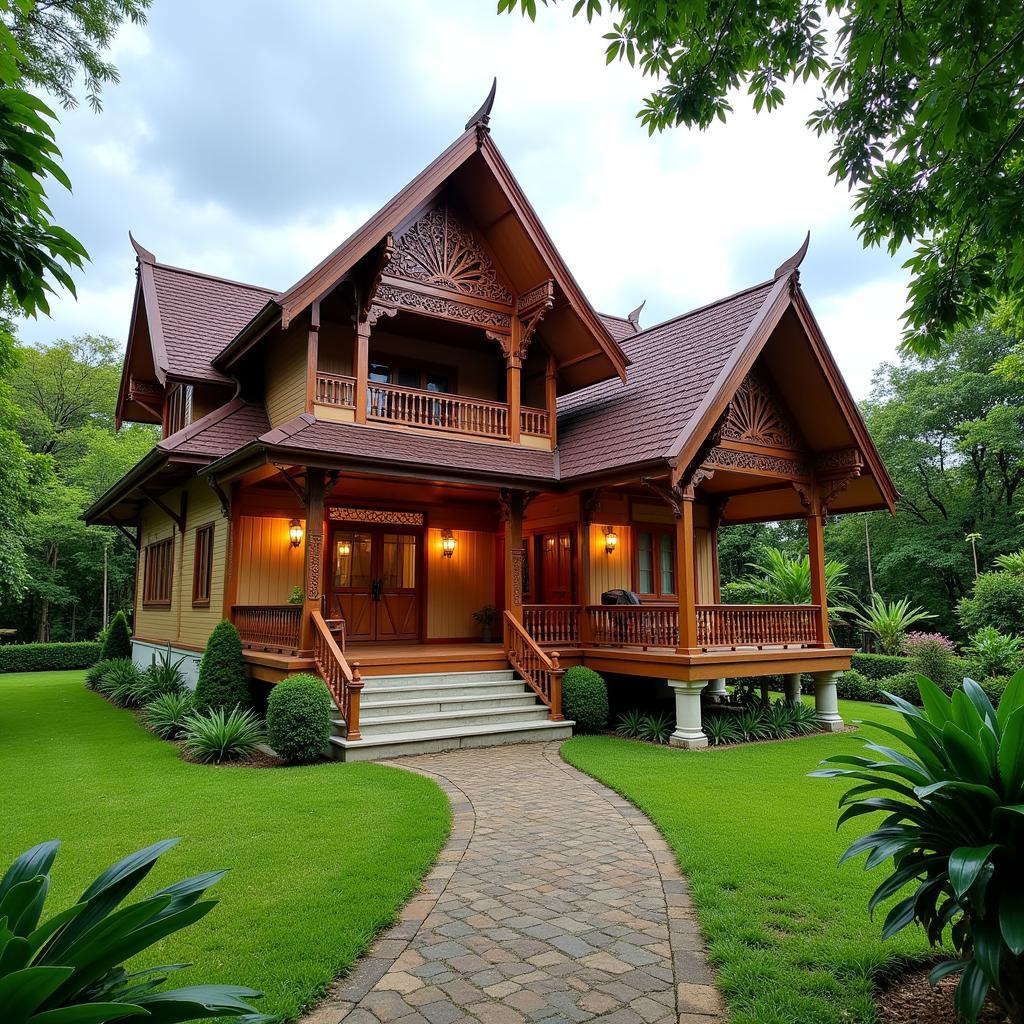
554 900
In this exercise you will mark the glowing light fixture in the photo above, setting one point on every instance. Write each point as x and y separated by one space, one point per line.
611 540
295 532
448 543
344 548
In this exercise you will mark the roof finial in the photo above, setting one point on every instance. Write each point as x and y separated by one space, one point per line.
634 317
483 115
141 251
794 261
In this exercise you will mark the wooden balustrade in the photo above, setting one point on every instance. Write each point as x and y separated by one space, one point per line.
541 671
552 623
634 625
534 421
336 389
268 627
436 410
756 625
342 680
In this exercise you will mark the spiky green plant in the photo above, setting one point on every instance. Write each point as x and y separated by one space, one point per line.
70 968
995 653
751 724
953 831
804 718
779 718
778 578
888 621
166 713
720 729
657 727
125 684
95 673
631 724
1013 562
217 735
164 674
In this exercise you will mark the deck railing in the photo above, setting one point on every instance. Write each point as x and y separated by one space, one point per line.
268 627
437 410
552 623
633 625
534 421
342 680
541 671
336 389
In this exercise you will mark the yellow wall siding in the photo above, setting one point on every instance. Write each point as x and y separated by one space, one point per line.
460 585
609 572
335 346
702 545
156 623
268 566
203 510
285 375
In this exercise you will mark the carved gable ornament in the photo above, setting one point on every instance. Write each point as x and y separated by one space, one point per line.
439 250
758 416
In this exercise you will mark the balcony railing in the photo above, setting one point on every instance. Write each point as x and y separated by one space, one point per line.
552 623
437 410
534 421
336 389
268 627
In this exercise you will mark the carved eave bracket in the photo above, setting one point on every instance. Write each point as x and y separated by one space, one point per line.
381 258
148 394
530 309
673 495
834 471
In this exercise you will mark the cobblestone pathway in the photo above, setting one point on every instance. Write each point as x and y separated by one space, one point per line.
554 900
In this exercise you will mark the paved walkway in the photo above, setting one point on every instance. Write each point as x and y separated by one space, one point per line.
554 900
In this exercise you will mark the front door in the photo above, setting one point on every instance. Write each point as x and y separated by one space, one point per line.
556 568
373 581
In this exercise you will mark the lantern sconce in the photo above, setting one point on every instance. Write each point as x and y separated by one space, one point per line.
295 532
448 543
611 540
344 548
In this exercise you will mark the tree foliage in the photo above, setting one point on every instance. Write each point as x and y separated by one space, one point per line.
923 102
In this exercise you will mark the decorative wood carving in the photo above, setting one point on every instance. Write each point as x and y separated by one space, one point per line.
503 340
508 499
376 311
758 462
439 250
375 515
383 257
841 459
518 557
757 415
673 496
448 309
531 309
314 542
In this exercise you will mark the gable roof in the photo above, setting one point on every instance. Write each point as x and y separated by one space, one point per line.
619 327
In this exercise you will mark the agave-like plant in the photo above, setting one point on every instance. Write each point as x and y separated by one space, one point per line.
657 727
954 830
720 729
889 621
217 735
70 969
631 724
778 578
166 715
1013 562
751 724
804 718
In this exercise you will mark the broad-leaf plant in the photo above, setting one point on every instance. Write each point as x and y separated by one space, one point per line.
952 833
70 967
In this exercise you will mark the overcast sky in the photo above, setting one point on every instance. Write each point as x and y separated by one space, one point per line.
248 138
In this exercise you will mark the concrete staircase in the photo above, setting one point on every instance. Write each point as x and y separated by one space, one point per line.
422 714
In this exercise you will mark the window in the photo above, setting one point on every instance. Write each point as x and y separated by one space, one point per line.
158 573
655 571
202 567
179 409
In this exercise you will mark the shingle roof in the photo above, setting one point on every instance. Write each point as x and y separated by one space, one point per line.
674 365
619 327
220 432
199 315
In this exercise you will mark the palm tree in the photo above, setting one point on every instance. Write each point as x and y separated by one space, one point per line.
889 621
778 578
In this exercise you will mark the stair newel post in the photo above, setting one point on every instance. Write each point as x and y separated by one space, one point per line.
355 690
555 714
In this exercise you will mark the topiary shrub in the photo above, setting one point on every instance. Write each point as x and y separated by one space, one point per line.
997 600
117 643
854 685
299 718
879 666
585 698
222 680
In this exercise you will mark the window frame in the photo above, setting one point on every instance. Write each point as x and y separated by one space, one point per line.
162 550
203 566
657 532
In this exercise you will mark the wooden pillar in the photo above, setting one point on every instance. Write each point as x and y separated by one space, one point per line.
551 399
313 565
312 354
512 513
513 392
234 552
361 365
686 582
816 549
587 503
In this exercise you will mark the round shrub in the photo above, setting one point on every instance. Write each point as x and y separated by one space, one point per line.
997 600
117 643
222 681
585 699
854 685
299 718
903 685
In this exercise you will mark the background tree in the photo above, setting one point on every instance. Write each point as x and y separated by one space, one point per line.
925 103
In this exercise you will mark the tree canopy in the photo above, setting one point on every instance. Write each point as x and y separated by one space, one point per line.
924 102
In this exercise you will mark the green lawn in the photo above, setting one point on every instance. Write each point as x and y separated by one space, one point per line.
789 932
321 857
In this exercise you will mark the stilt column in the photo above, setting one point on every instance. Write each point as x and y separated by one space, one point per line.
689 733
793 688
826 701
716 690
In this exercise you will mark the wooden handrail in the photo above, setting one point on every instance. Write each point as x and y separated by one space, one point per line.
270 627
534 421
336 389
343 681
552 623
437 410
634 625
541 671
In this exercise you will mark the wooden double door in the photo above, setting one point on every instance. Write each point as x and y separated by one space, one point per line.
373 580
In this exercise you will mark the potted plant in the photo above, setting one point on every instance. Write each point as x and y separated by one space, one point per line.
487 617
296 596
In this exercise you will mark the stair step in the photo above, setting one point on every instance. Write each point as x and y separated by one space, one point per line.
370 725
388 745
428 691
438 678
447 702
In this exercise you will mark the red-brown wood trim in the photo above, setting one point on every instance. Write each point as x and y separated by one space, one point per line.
312 354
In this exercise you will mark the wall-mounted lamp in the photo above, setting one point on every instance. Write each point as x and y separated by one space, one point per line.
344 548
550 542
566 541
448 543
611 540
295 532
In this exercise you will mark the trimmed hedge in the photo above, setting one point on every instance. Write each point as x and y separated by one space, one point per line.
880 666
585 699
299 718
48 657
222 681
854 685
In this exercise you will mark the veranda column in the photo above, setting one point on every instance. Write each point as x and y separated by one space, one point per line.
512 513
716 688
689 733
361 365
686 582
513 375
312 578
588 504
826 701
793 688
816 549
551 399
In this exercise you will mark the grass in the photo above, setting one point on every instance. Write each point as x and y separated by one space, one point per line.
790 933
321 857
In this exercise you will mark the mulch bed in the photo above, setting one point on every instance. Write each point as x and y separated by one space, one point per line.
909 999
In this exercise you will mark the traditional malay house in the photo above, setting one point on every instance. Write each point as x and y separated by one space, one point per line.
435 420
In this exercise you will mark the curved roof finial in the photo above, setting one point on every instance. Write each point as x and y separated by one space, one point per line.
141 251
483 115
794 261
634 317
